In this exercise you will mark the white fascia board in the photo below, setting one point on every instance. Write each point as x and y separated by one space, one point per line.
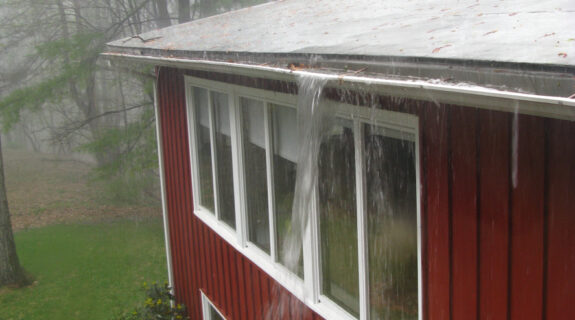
471 96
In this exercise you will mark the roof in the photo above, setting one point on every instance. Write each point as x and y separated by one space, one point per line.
515 56
526 31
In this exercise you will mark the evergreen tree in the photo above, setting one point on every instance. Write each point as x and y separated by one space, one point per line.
54 46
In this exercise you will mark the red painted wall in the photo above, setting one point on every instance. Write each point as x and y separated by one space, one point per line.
201 259
491 250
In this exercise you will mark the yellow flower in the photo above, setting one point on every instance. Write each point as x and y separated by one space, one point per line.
159 302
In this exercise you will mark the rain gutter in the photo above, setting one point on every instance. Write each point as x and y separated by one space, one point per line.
464 95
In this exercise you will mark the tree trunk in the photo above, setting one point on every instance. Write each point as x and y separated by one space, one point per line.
183 11
11 273
163 17
207 8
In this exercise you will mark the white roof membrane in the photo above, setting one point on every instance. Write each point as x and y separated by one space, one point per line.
526 31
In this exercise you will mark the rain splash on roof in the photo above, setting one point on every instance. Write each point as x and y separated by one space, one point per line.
527 31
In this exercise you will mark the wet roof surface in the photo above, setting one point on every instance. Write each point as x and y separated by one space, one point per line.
527 31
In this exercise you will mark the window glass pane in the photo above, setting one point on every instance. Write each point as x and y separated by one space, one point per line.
391 223
255 172
338 217
215 315
203 147
285 133
284 167
224 159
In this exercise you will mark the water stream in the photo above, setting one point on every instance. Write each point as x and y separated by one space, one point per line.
312 121
326 151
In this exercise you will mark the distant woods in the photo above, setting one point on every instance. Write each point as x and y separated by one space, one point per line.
58 95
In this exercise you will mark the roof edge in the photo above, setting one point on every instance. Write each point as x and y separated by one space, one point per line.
437 92
318 58
540 79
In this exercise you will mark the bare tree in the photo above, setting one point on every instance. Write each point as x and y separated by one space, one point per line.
183 11
11 273
163 16
54 66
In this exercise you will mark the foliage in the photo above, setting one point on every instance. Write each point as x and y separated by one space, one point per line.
131 164
76 47
29 97
59 70
159 305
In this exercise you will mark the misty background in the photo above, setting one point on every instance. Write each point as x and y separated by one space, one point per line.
79 143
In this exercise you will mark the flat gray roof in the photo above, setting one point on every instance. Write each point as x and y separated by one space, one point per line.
526 31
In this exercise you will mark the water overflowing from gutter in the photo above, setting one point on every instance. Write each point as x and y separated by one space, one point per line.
312 122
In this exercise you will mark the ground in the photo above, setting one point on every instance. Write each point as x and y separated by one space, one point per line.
88 255
48 189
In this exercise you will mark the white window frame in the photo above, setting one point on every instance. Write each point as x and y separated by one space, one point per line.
225 230
307 290
206 305
360 116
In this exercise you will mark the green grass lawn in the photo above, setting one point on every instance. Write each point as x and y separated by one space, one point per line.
85 271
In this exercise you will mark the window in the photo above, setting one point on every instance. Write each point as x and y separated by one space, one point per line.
205 189
391 209
367 186
338 217
360 258
222 156
215 188
209 311
269 141
255 166
284 167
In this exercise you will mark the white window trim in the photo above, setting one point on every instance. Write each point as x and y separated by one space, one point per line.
308 290
403 122
206 305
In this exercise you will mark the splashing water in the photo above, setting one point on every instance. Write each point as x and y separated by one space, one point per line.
312 123
394 249
312 119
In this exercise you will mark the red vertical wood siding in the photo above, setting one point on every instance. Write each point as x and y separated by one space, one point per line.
201 259
243 308
249 289
463 178
527 220
491 249
494 155
435 169
561 224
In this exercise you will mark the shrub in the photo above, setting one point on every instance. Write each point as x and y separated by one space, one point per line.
159 305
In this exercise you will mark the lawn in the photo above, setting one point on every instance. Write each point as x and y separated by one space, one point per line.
85 271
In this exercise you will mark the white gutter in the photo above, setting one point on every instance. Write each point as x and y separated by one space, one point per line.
163 189
471 96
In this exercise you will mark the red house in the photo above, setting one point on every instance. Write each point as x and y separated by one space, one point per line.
369 159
